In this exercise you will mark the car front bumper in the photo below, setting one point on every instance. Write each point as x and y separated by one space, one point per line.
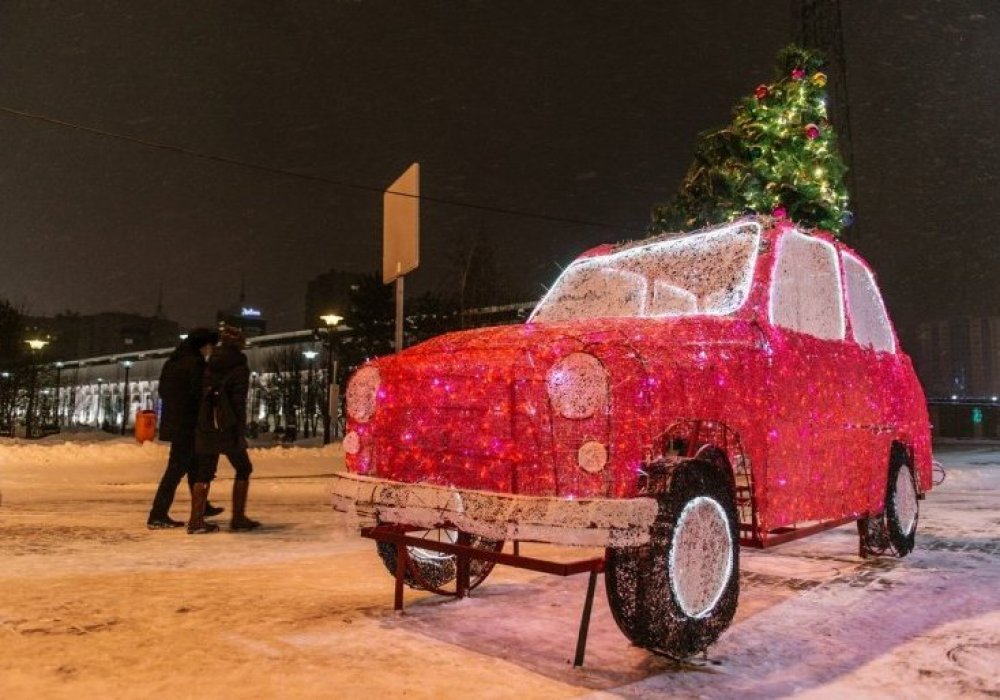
586 522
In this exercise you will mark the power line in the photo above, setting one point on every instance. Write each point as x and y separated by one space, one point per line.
305 176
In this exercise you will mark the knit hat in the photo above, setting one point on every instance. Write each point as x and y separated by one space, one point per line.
200 337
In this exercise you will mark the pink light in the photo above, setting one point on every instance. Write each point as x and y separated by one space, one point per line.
472 409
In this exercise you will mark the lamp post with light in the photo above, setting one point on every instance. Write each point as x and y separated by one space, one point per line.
9 401
127 364
310 402
59 366
254 413
331 401
36 345
100 401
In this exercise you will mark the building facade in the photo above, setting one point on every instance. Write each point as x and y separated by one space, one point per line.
288 386
958 357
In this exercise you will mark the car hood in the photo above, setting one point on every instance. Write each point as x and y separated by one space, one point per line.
483 351
533 347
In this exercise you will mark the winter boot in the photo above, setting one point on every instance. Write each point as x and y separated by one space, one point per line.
240 520
210 510
162 523
199 495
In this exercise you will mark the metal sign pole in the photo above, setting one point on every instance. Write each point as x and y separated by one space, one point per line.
399 314
401 238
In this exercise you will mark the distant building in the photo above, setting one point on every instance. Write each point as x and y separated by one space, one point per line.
329 293
72 336
247 317
958 357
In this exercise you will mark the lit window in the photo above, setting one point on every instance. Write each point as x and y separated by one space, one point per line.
805 289
869 321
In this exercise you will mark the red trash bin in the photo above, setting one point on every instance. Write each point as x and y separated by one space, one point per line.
145 426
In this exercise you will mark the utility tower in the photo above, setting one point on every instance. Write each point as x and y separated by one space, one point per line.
816 24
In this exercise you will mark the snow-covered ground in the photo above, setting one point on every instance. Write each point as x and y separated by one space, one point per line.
94 605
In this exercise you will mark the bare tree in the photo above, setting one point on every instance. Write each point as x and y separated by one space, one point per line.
286 368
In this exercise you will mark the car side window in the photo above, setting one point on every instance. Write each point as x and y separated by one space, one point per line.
869 321
805 287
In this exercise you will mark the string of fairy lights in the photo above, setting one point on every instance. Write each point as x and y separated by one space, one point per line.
778 156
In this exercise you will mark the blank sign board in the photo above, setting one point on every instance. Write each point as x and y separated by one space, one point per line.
401 225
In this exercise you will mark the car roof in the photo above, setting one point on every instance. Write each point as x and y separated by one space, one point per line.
769 229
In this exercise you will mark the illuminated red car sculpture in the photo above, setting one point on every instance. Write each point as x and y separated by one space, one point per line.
669 400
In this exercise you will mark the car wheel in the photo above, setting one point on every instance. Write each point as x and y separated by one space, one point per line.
902 508
894 529
431 570
678 593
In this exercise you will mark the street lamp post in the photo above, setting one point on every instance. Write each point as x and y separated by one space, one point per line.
125 396
329 405
59 366
252 428
100 401
36 346
310 403
9 401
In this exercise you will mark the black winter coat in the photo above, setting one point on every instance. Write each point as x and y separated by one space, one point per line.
180 392
222 415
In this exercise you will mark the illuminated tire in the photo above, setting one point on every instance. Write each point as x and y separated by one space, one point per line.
902 508
893 530
677 594
429 570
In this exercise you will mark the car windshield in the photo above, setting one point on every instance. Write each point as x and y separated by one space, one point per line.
702 273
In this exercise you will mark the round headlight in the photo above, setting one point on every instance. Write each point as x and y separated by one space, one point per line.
578 385
352 443
361 393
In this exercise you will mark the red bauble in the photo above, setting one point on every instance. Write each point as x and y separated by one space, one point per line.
798 73
812 131
762 92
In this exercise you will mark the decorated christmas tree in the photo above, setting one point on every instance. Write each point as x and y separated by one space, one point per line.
778 157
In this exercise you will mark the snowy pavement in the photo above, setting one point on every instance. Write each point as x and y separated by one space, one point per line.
92 604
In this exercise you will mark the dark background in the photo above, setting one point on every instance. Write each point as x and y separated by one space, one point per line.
579 109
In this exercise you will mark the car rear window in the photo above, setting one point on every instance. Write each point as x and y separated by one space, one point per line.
869 321
805 288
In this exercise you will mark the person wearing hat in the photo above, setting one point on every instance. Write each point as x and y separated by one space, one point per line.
180 393
221 429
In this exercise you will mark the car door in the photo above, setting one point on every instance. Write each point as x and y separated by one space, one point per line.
806 352
875 361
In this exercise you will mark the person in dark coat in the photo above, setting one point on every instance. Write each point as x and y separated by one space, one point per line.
221 428
180 393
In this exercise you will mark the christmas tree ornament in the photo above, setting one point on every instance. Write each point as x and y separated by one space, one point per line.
761 92
798 73
818 79
848 218
811 131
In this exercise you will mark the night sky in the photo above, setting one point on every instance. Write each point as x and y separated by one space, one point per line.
578 109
